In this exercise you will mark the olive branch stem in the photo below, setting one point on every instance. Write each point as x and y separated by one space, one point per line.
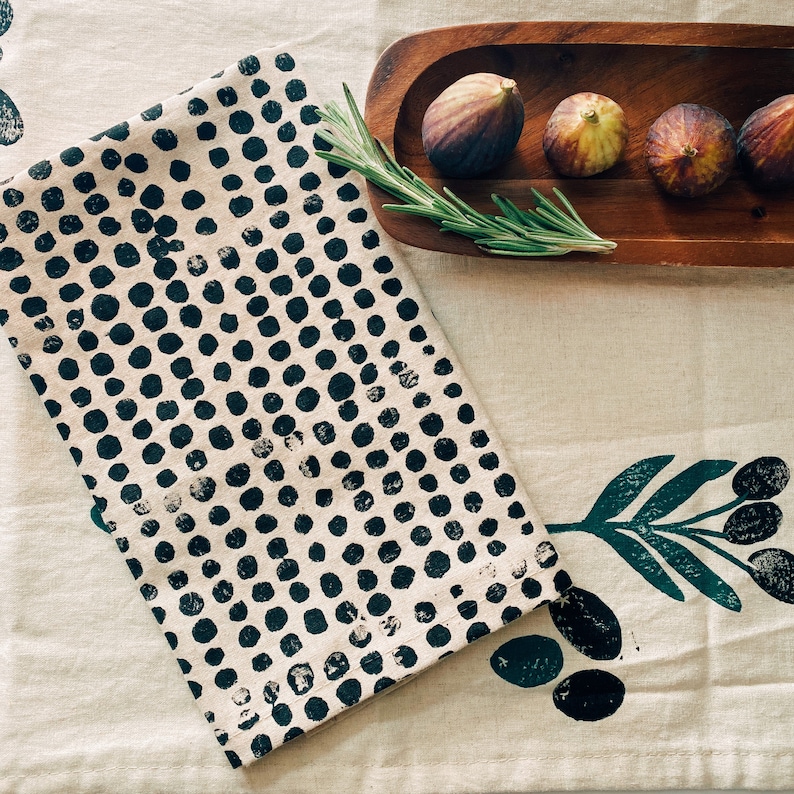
699 537
710 513
545 230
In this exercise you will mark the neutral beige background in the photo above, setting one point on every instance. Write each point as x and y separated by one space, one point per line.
584 370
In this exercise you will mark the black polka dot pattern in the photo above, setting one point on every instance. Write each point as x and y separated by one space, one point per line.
280 440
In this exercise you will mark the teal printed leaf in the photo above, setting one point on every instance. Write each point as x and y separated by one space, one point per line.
96 517
625 488
676 491
643 562
696 572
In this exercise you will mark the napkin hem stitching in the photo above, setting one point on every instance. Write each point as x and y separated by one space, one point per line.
451 616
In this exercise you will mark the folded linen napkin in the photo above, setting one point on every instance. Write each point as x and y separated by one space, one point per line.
273 426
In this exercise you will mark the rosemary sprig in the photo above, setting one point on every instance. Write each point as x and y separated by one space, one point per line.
545 230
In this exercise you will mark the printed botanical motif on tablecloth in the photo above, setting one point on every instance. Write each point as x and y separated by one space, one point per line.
667 553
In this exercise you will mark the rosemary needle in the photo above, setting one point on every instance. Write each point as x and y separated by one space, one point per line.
545 230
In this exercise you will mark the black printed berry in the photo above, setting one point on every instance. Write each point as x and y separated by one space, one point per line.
528 661
589 695
753 522
587 623
773 571
762 478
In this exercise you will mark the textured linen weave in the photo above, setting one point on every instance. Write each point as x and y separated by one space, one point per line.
272 424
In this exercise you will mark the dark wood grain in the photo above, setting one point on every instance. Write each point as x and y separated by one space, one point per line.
647 68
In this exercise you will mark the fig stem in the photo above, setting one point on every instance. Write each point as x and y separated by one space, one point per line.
688 150
590 116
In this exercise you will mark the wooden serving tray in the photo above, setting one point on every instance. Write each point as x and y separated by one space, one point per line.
646 68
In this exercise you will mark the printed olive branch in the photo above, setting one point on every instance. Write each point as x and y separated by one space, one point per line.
653 547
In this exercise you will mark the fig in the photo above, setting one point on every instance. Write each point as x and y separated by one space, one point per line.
690 150
473 125
586 134
766 144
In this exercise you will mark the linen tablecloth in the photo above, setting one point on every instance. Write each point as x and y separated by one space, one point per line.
648 392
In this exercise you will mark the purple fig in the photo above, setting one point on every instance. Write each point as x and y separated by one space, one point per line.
473 125
690 150
766 144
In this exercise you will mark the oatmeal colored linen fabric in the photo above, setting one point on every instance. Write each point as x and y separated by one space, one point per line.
272 426
586 372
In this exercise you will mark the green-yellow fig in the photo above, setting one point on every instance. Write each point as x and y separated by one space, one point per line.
586 134
690 150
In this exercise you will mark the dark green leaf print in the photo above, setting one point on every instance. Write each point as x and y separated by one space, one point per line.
680 488
643 562
696 572
626 487
96 517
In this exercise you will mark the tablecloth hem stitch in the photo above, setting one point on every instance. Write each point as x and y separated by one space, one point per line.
414 765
